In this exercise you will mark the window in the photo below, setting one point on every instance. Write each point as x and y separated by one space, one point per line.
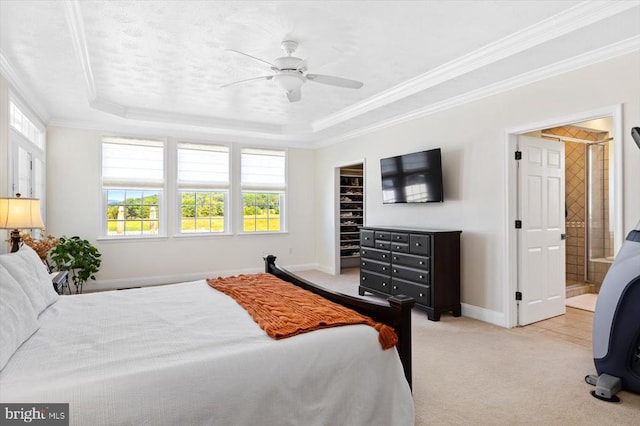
263 182
203 187
26 127
27 156
133 186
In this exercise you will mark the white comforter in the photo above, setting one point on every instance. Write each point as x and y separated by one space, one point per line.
186 354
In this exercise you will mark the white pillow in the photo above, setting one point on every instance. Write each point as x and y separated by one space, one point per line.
28 270
17 316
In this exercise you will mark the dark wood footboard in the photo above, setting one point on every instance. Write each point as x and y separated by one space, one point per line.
397 313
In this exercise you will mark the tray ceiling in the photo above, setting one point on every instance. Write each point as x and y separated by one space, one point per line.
157 66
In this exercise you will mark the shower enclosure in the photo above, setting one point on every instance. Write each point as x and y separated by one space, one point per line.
588 202
599 235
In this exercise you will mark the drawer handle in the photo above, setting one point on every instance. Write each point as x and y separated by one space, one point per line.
384 256
364 252
364 278
384 284
421 277
418 244
397 247
398 237
395 257
421 295
384 268
395 287
421 262
366 238
395 271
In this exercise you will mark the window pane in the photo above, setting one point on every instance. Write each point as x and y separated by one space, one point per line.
202 212
132 212
24 173
21 123
261 212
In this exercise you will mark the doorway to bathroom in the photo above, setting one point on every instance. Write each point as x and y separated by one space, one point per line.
592 222
589 231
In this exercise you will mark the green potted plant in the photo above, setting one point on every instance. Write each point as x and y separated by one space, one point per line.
77 256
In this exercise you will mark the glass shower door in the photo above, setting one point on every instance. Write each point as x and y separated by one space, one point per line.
599 244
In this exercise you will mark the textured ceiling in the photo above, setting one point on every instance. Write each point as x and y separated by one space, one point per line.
158 65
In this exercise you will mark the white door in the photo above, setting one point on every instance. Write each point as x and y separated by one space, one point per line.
541 245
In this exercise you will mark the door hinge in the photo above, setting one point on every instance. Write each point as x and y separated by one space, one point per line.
518 224
518 295
518 155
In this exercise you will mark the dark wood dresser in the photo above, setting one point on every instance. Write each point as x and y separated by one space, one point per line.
423 264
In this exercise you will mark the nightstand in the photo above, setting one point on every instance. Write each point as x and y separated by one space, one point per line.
60 281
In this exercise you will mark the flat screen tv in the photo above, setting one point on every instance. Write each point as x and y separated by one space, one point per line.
412 178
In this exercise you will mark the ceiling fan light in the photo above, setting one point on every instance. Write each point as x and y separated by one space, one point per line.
289 81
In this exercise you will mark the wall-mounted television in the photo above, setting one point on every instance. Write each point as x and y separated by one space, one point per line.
412 178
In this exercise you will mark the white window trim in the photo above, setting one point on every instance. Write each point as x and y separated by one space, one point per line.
163 197
237 182
177 203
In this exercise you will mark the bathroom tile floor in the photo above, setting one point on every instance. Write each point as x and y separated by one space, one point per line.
575 326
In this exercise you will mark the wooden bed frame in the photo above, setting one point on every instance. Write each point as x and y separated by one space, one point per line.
397 313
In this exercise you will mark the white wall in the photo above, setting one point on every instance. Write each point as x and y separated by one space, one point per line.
472 138
73 194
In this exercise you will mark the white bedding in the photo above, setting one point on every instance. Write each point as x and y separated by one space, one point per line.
186 354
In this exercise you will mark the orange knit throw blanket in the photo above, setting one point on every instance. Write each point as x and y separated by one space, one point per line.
283 310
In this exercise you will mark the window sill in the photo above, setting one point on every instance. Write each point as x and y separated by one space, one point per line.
261 233
131 238
203 235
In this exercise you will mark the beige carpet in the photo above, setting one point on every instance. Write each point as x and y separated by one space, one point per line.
467 372
586 302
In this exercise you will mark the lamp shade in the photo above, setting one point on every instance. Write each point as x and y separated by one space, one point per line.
20 213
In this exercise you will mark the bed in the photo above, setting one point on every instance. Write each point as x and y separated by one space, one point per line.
186 354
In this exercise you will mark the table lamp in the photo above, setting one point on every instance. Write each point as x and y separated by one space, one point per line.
19 213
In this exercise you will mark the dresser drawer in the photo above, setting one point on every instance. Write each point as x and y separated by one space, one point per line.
422 293
421 277
399 247
375 254
375 282
383 235
383 245
366 238
398 237
373 266
419 262
420 244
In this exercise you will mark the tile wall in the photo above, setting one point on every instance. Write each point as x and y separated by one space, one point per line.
576 208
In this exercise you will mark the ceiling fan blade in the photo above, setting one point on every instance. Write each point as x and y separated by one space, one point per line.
294 95
252 57
335 81
263 77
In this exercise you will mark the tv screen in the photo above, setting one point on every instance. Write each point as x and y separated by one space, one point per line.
412 178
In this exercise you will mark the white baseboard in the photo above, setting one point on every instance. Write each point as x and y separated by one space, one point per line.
483 314
104 285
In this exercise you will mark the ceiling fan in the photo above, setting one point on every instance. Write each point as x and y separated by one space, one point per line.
290 73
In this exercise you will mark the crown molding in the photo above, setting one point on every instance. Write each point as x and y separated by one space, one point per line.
22 89
602 54
572 19
76 30
204 130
